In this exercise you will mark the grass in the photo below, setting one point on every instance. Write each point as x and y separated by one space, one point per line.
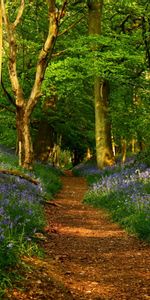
125 193
49 177
21 212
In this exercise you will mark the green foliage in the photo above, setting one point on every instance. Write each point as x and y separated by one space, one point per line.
135 222
125 196
8 159
119 56
49 178
144 156
73 114
21 213
7 129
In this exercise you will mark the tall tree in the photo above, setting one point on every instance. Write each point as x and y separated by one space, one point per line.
24 108
104 153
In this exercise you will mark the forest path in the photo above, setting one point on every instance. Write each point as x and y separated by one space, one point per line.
87 256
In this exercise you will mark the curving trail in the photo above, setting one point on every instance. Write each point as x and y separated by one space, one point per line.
87 256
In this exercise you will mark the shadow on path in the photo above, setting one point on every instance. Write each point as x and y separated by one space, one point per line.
87 256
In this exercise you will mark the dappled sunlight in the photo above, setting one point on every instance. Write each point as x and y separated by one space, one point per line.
83 232
87 256
92 289
97 259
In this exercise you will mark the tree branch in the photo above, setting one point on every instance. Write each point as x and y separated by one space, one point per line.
10 28
6 93
62 11
122 25
20 13
70 27
77 2
7 108
59 53
44 56
20 174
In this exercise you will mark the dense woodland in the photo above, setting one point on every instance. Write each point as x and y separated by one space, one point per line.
74 94
75 79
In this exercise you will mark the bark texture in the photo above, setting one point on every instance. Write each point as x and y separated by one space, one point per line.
104 153
25 107
44 141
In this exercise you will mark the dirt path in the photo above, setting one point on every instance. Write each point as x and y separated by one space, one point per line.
87 256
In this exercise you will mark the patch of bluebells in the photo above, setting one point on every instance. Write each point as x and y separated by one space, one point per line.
87 169
20 209
130 182
92 169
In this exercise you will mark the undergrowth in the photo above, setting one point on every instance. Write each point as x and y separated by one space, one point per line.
21 212
125 193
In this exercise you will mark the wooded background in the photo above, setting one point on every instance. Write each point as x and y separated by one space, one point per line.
75 79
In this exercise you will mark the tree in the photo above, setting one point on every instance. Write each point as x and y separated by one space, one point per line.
70 110
24 108
104 153
128 22
111 60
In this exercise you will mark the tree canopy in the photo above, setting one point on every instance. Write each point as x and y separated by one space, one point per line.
49 66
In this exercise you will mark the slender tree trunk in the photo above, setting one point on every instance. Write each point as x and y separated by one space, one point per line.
133 145
88 154
123 150
104 153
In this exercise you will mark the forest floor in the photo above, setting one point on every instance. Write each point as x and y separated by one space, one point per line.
87 256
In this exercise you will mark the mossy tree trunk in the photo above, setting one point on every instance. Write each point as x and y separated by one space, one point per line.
104 153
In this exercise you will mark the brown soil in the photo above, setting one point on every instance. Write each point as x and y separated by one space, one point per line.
87 256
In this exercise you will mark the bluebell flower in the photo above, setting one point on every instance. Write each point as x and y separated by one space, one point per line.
10 245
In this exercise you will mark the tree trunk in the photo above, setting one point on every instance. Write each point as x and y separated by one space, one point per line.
44 141
25 108
123 150
25 149
104 153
